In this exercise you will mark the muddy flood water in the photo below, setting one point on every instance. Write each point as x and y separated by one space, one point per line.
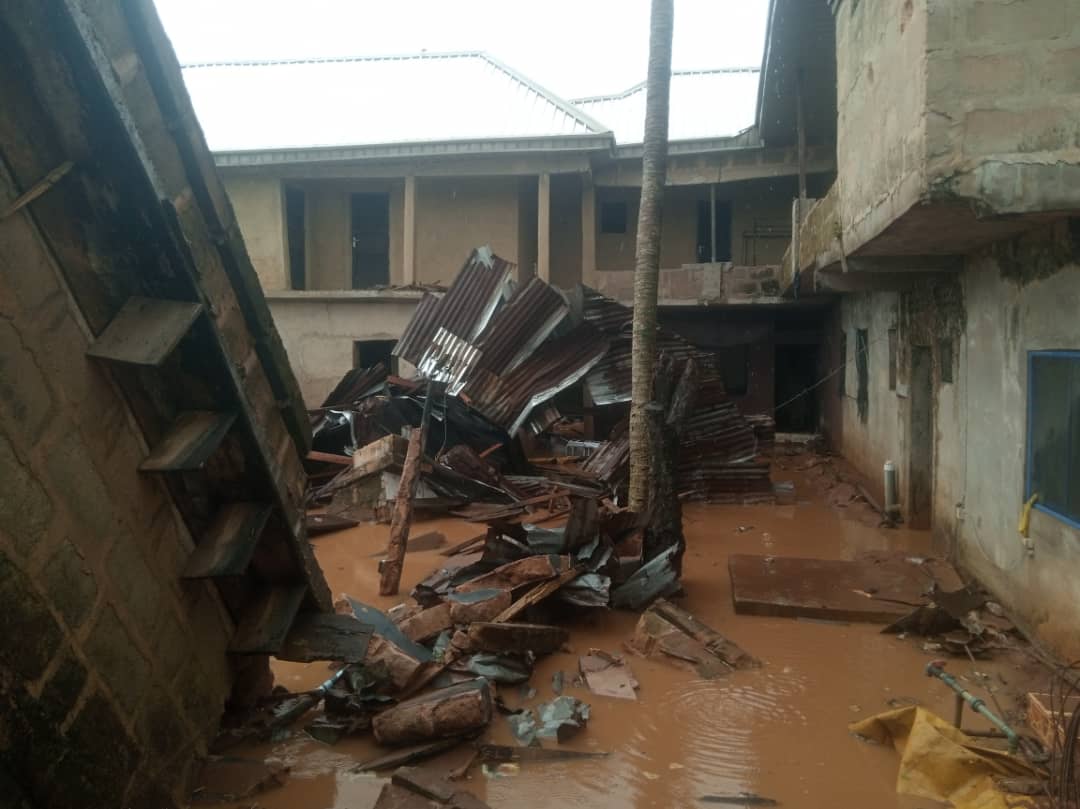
779 731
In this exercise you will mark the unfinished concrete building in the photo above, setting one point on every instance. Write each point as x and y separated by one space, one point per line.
952 235
151 430
346 214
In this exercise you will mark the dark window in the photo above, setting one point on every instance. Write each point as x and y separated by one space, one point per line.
862 369
735 368
892 359
370 240
1054 432
613 217
296 226
945 358
841 385
367 353
705 250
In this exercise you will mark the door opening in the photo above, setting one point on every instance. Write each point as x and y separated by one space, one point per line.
721 227
796 372
370 240
921 439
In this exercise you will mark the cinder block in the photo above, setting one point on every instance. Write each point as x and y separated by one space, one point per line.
116 658
70 584
25 615
100 756
61 692
26 402
1016 21
90 503
25 508
133 582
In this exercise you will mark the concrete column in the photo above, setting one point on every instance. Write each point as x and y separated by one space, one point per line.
408 249
543 227
588 230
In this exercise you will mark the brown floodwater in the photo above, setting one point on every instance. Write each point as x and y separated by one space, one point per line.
779 731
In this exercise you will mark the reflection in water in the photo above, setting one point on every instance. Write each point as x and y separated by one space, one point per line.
779 731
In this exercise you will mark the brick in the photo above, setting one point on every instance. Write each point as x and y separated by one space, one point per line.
25 399
25 615
117 660
25 508
160 728
100 756
30 275
997 21
70 584
73 475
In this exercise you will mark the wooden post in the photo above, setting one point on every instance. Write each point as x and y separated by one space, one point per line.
588 230
390 569
543 227
408 250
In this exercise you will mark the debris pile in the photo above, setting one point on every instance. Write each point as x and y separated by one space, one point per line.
495 363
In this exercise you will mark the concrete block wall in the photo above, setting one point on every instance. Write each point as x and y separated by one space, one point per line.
113 672
1003 102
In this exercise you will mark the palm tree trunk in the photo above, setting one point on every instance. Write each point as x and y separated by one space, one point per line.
647 257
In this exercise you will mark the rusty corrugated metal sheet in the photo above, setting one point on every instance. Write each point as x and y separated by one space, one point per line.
483 283
518 328
448 359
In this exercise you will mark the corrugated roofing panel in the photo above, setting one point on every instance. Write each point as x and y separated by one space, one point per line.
518 328
257 106
704 104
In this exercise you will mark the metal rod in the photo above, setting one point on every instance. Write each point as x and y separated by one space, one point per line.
935 669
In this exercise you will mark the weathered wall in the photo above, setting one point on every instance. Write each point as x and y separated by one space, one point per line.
120 667
319 331
1015 304
259 204
1003 99
565 230
455 215
881 100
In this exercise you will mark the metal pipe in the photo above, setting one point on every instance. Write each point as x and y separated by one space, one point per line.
935 668
892 499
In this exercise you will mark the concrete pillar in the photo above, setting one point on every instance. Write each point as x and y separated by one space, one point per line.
408 249
543 227
588 230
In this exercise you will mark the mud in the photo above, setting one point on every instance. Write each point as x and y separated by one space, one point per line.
779 731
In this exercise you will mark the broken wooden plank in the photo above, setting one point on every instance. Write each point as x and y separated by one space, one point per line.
872 590
538 594
515 574
408 755
323 636
427 624
506 637
727 650
267 620
447 712
229 543
466 546
189 442
36 190
329 457
655 635
145 331
479 605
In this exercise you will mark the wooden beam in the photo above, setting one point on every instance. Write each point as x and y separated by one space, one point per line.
190 441
229 543
145 331
36 190
319 636
543 226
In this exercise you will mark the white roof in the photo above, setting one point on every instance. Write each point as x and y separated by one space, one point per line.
704 104
424 98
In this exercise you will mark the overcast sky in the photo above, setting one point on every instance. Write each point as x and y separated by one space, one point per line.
572 47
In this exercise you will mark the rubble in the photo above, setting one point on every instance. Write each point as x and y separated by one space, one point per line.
456 710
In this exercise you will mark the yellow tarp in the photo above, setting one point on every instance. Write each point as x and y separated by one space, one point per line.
940 762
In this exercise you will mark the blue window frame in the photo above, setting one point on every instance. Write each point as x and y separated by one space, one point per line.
1053 439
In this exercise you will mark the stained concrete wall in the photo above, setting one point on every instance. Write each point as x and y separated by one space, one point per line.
119 675
881 102
319 330
455 215
1003 102
1010 299
565 230
259 205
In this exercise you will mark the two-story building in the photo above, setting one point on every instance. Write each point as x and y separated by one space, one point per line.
952 235
358 181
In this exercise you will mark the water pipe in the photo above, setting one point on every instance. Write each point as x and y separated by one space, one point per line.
936 668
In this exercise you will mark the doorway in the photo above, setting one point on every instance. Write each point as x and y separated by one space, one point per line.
795 374
705 231
921 439
370 240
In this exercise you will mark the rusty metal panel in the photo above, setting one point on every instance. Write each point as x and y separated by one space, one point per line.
448 359
518 328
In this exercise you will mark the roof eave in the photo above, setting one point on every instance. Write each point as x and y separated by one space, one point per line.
747 139
468 147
